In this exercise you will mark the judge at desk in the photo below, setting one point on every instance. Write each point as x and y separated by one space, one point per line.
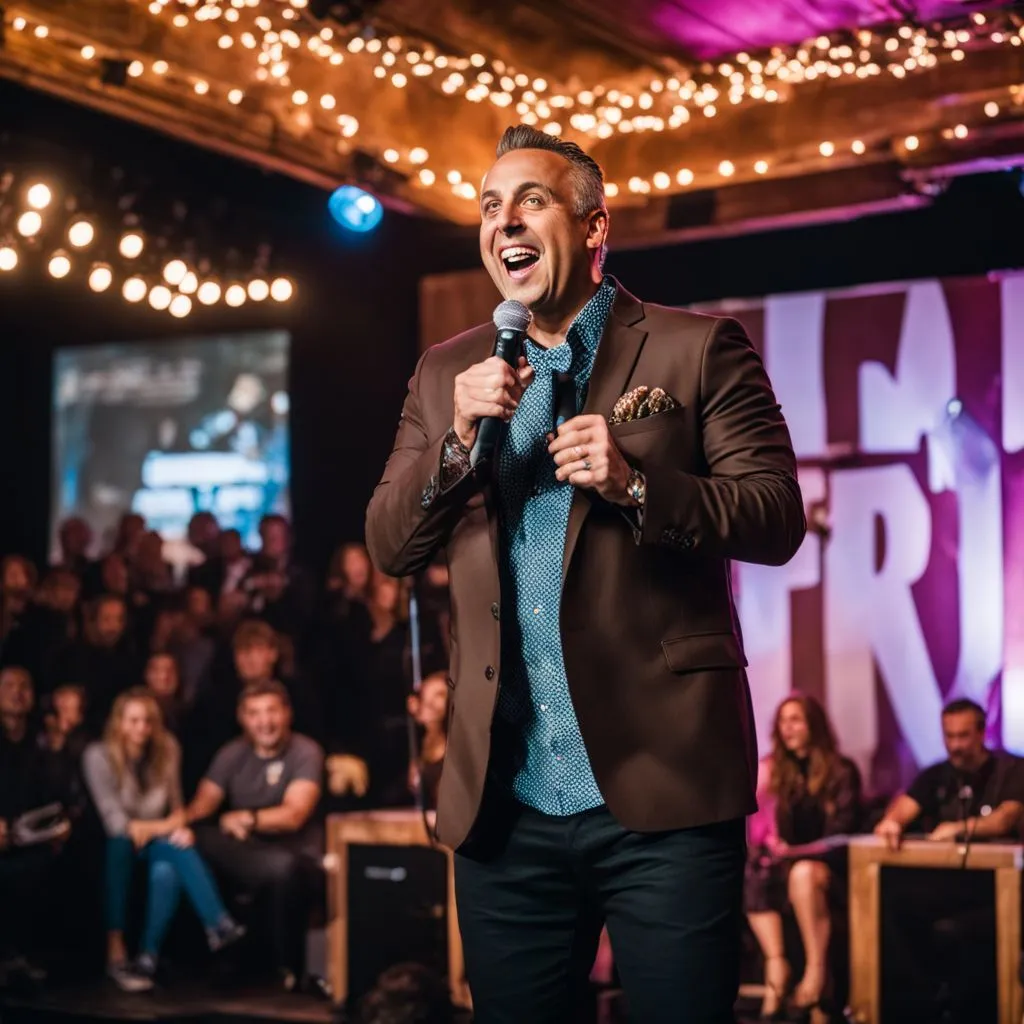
975 794
938 934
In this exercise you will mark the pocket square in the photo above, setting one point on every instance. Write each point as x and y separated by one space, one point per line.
641 402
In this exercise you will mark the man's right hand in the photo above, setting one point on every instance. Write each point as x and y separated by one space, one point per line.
490 388
891 831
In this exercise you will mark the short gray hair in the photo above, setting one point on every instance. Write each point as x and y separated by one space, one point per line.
588 178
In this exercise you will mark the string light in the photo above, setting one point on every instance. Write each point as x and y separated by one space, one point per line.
743 78
8 258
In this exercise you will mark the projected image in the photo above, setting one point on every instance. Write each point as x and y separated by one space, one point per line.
168 429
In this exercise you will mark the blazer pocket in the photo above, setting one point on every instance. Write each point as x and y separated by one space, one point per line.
656 421
700 651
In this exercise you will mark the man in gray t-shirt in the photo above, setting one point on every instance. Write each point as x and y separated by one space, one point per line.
264 788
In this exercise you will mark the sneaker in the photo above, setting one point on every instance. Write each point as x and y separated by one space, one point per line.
131 977
224 934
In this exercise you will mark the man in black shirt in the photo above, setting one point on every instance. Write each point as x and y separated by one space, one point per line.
938 927
976 793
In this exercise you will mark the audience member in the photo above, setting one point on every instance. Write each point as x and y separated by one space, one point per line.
133 775
162 681
429 709
104 661
24 869
806 791
74 538
17 584
407 993
266 786
279 591
64 740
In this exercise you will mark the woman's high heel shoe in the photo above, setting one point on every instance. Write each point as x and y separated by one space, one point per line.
776 982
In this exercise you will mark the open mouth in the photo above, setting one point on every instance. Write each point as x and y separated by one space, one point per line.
519 259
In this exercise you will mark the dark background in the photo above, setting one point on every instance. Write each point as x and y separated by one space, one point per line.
354 322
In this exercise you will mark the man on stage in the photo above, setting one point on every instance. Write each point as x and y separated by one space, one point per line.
601 752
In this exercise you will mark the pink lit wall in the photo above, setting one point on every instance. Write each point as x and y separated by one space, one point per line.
906 404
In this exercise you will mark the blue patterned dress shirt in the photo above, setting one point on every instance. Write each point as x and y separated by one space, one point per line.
554 776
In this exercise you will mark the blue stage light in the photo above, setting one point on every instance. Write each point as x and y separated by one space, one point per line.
354 209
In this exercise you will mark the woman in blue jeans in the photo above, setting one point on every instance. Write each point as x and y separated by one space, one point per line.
134 776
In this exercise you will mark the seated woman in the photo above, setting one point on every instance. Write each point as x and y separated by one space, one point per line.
134 777
806 792
429 708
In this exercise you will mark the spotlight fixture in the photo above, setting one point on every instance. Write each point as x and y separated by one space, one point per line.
59 265
81 233
282 289
208 293
100 277
131 245
38 196
258 289
29 224
355 209
134 289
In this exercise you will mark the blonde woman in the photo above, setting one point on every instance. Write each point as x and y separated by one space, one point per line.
134 777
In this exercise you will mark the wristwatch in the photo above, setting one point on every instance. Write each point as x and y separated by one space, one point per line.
636 487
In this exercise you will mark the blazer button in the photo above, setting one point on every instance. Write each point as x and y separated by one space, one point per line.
495 611
489 672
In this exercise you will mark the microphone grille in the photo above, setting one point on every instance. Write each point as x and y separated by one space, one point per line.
513 316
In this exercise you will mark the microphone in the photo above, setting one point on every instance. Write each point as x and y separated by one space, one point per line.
512 320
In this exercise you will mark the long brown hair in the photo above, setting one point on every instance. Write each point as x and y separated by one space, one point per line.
157 755
788 782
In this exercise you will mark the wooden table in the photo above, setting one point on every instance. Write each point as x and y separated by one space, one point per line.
384 828
868 855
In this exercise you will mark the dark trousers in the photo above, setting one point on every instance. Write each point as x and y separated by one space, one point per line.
280 873
532 904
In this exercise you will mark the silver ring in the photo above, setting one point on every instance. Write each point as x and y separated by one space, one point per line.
586 464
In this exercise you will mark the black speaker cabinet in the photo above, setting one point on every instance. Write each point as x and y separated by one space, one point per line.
392 901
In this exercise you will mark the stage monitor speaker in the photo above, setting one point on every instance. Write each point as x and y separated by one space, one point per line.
397 911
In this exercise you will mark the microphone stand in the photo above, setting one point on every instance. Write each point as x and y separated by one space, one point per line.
966 795
412 727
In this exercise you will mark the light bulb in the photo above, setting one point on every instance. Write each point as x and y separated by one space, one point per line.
29 224
235 96
661 180
100 277
427 176
826 149
188 284
858 147
418 155
81 233
175 271
60 265
761 167
131 245
281 290
181 305
235 295
8 258
726 169
208 293
911 142
160 297
258 289
39 196
134 289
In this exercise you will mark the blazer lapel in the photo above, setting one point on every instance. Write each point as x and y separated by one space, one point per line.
616 359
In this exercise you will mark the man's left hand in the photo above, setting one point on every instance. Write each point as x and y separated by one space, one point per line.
947 831
237 824
587 457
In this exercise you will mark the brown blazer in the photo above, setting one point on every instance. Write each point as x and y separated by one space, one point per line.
650 637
